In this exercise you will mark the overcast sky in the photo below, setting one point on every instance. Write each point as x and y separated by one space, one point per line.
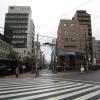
47 13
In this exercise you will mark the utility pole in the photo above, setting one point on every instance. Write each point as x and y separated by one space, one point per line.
87 53
56 47
37 69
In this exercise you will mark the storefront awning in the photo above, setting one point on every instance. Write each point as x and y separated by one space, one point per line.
67 54
98 60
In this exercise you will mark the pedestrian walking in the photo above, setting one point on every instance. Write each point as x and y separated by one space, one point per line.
33 69
90 67
17 71
54 67
58 67
63 66
2 71
37 70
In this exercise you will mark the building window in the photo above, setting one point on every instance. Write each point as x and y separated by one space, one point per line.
70 46
65 24
65 31
24 51
11 7
66 39
73 39
28 53
72 24
73 33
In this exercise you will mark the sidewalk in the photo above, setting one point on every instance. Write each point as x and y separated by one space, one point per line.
22 75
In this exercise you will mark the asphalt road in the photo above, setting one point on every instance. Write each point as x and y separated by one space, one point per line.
51 86
93 76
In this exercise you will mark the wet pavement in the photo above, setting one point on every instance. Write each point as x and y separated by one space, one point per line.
90 76
69 85
22 75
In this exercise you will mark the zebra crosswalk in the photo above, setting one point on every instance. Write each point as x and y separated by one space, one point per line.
47 88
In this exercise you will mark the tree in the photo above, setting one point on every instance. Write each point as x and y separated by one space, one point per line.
13 58
28 62
13 55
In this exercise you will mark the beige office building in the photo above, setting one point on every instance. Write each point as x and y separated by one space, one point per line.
71 42
85 19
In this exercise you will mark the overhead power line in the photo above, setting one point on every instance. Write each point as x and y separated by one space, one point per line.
65 13
46 36
35 34
96 17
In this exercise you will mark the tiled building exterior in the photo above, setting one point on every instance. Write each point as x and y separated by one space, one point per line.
71 38
20 29
85 19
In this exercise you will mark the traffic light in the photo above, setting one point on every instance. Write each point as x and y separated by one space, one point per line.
47 43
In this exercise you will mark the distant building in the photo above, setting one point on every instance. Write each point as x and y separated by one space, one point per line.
20 29
94 47
97 52
71 42
5 48
53 54
85 19
38 53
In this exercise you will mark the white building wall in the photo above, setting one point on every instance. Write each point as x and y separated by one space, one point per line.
19 9
24 9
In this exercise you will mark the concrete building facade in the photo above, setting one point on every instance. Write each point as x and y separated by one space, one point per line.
53 54
85 19
5 49
94 47
97 46
71 41
39 53
20 28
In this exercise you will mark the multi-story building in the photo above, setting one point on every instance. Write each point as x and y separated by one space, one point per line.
71 42
38 53
96 51
94 47
85 19
20 29
97 46
53 54
5 49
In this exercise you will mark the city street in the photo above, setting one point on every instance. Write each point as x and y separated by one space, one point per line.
51 86
49 50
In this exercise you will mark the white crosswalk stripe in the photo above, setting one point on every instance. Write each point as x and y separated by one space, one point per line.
47 89
88 95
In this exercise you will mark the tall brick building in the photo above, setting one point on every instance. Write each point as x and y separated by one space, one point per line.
71 42
85 19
